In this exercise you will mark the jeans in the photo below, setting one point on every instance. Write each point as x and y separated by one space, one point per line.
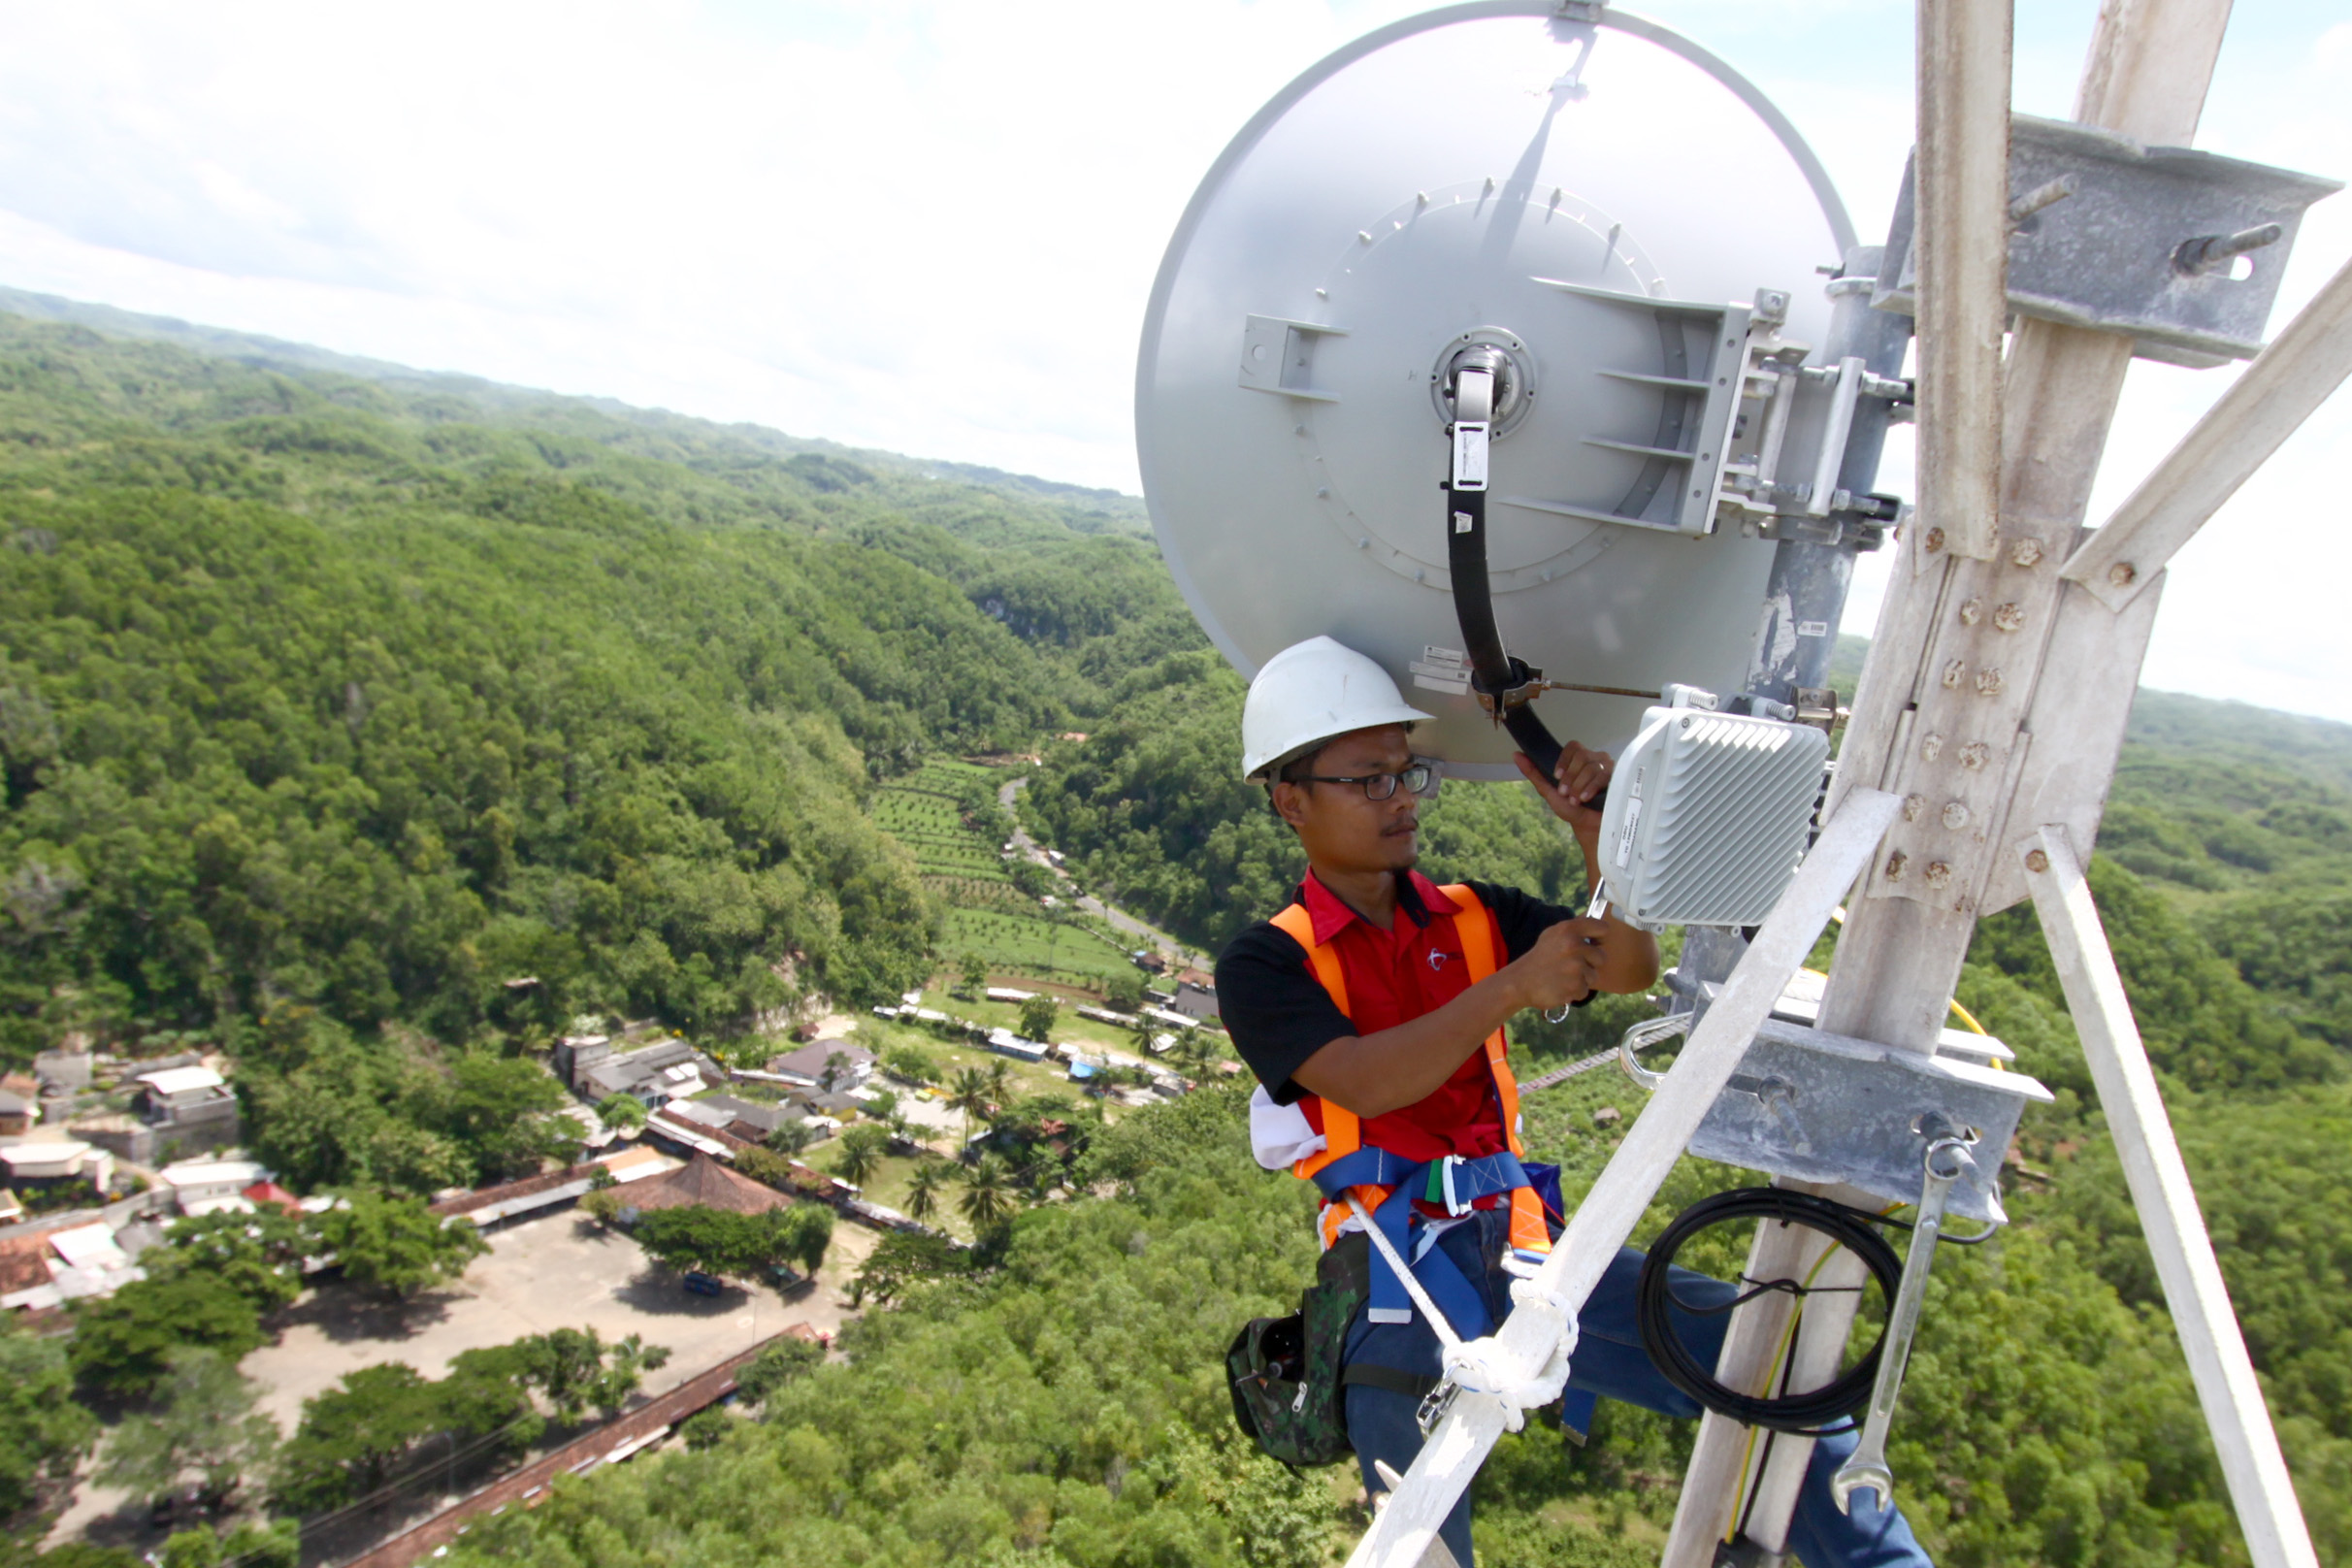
1611 1363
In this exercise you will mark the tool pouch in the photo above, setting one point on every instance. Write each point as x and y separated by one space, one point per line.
1286 1374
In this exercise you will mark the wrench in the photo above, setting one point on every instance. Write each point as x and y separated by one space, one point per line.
1868 1465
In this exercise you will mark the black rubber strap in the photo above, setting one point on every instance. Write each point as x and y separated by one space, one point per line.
1411 1385
1493 671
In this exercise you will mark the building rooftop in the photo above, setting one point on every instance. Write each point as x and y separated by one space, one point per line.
638 1165
23 1263
703 1182
44 1156
809 1061
182 1080
89 1246
701 1112
765 1118
236 1173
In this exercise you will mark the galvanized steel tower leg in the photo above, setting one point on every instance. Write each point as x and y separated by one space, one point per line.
2251 1464
1953 709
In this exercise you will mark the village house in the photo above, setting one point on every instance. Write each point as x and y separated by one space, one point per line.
174 1112
47 1164
534 1195
17 1114
666 1070
90 1262
64 1072
807 1067
1196 997
703 1182
748 1119
1006 1043
212 1185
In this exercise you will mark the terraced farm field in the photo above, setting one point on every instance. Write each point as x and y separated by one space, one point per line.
946 813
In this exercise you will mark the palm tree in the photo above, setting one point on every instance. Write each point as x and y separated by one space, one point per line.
922 1187
988 1194
969 1094
1193 1052
861 1151
1000 1082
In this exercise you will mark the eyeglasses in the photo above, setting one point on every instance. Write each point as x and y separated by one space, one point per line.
1421 779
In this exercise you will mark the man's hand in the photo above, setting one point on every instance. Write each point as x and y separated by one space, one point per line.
1562 966
1583 773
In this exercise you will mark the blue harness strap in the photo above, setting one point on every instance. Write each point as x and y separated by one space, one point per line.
1453 1181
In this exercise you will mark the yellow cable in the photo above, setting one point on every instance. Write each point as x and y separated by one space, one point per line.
1780 1357
1796 1320
1967 1018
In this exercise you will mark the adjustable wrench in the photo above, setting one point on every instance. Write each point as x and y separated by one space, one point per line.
1946 1161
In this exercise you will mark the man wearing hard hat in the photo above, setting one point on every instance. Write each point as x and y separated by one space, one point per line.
1372 1011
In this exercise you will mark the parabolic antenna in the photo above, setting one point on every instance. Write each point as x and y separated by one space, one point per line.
1599 205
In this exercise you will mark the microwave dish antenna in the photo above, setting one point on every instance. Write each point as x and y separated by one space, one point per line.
1596 217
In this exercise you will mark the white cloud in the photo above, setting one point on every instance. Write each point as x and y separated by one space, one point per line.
933 227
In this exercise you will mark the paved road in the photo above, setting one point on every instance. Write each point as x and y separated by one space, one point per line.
1118 919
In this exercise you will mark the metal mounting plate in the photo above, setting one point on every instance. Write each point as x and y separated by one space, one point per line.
2102 256
1820 1108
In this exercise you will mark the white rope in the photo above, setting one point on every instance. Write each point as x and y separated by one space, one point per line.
1404 1271
1484 1365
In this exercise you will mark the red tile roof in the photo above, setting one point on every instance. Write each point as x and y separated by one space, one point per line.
23 1263
704 1183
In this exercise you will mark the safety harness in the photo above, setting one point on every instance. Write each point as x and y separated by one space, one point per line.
1388 1183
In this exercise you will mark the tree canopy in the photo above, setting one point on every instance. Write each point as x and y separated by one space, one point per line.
396 1244
43 1432
723 1241
374 727
203 1431
123 1344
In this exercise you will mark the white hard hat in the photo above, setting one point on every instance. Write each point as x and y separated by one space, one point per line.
1311 692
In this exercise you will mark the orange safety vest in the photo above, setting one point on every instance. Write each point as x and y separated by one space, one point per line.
1342 1128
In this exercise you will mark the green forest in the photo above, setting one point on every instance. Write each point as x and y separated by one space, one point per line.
336 701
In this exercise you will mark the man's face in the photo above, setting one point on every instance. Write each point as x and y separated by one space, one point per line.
1340 828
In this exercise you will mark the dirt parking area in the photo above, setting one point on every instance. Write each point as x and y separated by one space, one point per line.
560 1271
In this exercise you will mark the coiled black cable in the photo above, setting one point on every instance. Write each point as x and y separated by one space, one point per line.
1809 1414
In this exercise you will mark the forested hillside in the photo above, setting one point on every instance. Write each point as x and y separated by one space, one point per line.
369 698
334 699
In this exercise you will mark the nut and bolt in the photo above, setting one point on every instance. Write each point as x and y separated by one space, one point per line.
1934 541
1972 612
2007 618
1930 746
1955 672
1894 865
1956 815
1939 874
2036 861
1913 805
2123 573
1974 754
1989 682
2026 552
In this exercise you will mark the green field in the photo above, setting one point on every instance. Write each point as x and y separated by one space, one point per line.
944 814
1028 1078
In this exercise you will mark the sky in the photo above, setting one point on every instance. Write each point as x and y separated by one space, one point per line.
932 228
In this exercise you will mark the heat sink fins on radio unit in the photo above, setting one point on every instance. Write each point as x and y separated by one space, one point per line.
1709 816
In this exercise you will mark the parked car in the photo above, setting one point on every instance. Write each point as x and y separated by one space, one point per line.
700 1284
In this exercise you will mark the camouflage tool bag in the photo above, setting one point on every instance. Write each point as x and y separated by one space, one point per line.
1284 1373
